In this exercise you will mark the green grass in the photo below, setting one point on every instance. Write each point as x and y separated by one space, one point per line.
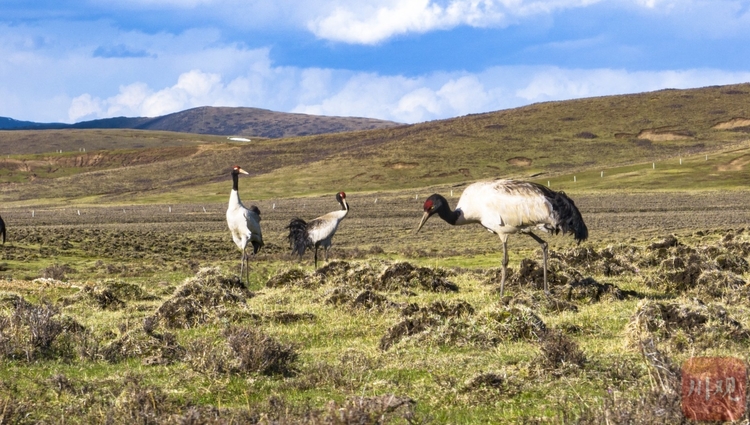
338 349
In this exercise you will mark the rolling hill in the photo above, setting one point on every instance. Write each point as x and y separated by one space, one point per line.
548 142
223 121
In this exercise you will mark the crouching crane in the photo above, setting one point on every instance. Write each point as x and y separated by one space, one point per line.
505 207
317 232
244 223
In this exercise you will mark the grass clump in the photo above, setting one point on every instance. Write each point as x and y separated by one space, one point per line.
458 325
258 352
31 332
679 326
201 298
241 350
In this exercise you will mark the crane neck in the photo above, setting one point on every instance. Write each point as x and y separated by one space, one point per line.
234 195
450 216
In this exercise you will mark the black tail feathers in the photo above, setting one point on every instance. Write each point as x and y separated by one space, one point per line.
297 236
569 217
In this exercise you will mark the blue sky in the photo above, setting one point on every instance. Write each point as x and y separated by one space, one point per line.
406 61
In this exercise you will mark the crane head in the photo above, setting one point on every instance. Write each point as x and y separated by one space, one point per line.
431 206
238 169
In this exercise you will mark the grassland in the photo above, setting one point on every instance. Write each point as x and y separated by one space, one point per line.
120 300
126 343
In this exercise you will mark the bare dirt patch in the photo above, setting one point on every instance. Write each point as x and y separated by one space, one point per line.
731 124
736 164
663 136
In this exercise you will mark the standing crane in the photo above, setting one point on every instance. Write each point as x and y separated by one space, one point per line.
244 223
505 207
317 232
2 229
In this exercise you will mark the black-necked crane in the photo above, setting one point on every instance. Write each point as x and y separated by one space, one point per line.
244 223
317 232
2 229
505 207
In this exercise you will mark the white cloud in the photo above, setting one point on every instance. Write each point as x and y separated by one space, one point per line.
193 88
375 21
554 83
84 106
398 98
368 23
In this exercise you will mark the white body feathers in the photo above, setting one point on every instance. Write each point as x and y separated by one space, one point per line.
320 230
244 224
505 207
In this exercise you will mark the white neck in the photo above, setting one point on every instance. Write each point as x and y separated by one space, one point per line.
234 199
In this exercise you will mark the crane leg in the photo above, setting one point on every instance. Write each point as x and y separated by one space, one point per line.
543 244
242 264
316 258
505 266
247 269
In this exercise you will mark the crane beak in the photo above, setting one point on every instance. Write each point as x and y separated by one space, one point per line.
423 221
243 171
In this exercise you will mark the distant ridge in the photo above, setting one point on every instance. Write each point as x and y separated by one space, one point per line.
221 121
11 124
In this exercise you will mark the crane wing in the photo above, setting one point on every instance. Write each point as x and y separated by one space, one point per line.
502 205
253 225
325 226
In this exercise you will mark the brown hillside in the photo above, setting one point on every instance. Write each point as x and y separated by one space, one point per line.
541 140
254 122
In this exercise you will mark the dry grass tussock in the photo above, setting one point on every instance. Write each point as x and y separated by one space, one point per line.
376 276
203 298
31 332
684 325
242 350
458 325
109 294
